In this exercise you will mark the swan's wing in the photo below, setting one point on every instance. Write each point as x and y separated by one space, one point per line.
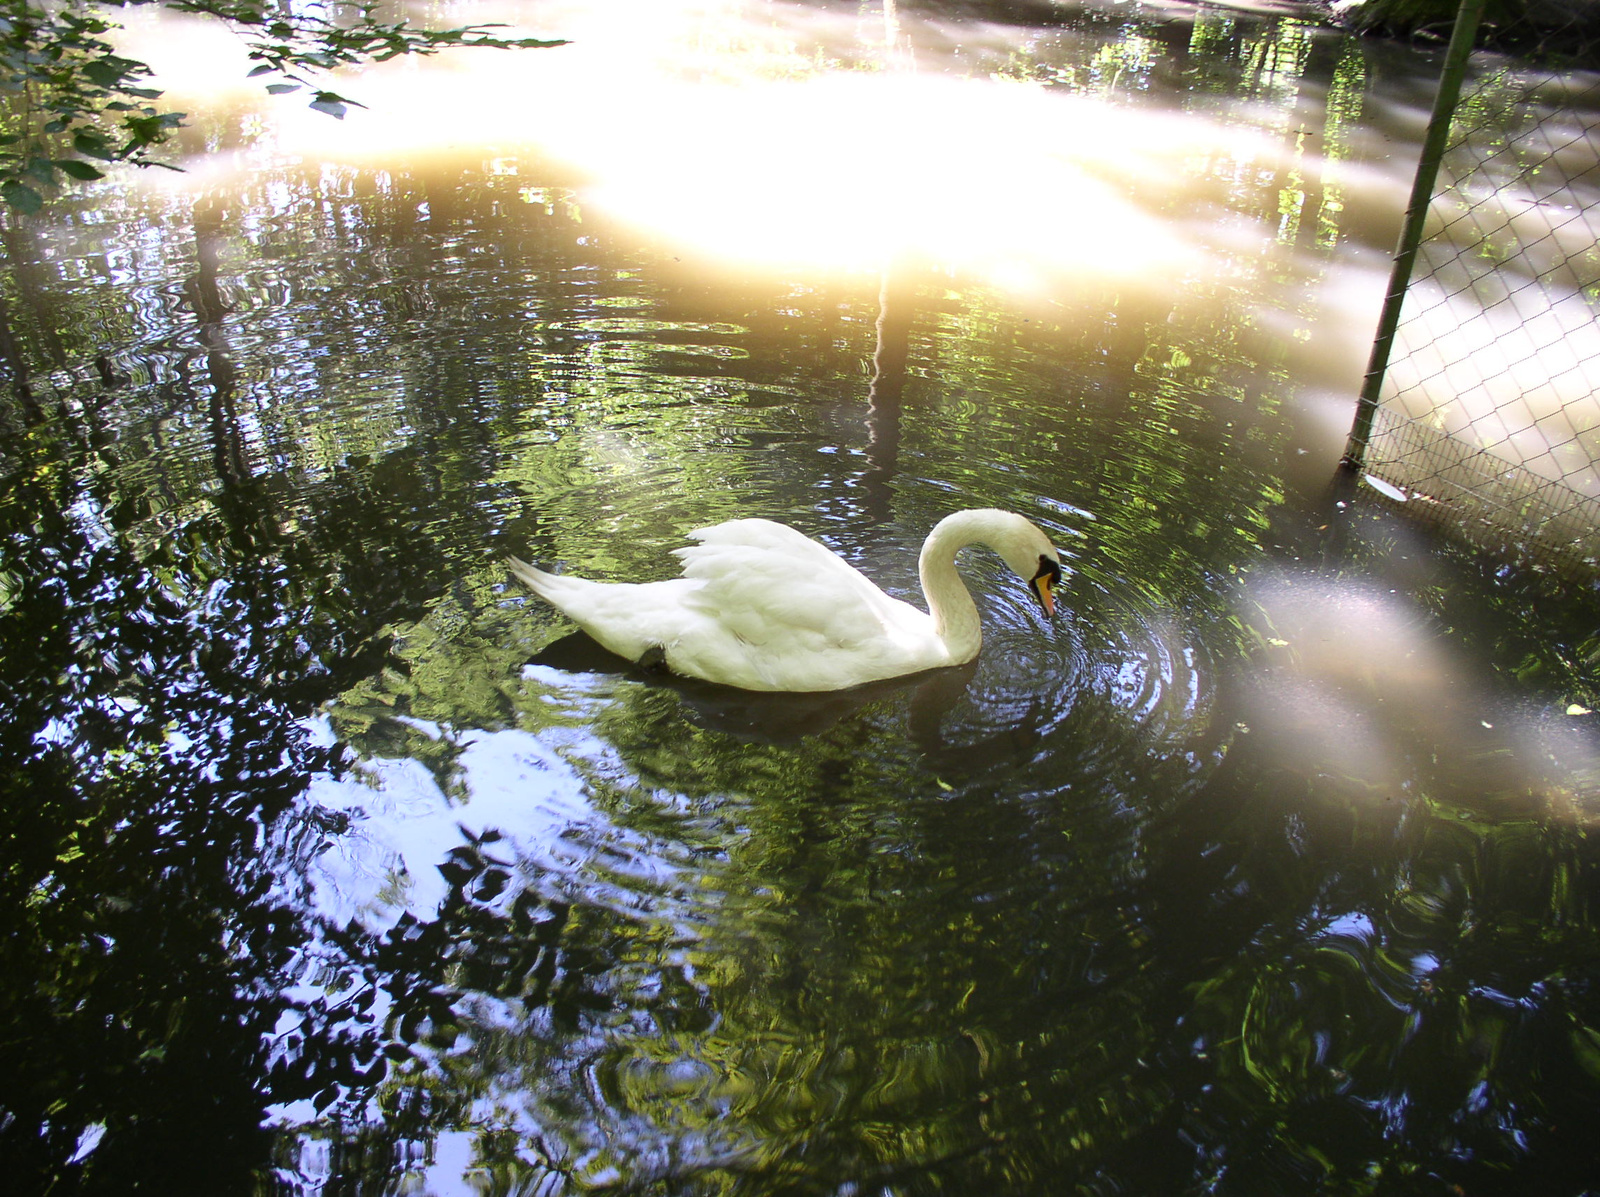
772 586
629 618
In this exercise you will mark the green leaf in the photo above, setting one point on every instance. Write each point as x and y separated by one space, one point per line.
78 170
278 89
150 128
263 69
93 145
20 196
107 72
332 103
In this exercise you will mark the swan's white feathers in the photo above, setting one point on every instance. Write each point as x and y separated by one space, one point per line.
763 607
629 618
769 584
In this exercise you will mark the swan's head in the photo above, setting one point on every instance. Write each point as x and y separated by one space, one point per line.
1033 557
1021 543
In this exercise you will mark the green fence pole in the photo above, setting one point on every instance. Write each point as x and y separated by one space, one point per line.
1405 254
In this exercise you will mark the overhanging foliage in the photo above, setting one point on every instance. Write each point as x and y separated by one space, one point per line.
69 103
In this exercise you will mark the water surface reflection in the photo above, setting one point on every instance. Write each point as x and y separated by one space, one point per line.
1266 867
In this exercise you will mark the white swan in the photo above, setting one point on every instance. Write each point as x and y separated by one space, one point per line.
763 607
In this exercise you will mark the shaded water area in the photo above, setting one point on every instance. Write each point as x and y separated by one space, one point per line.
335 863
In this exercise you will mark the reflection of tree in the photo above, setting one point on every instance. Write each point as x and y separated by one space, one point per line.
154 680
16 368
838 1007
896 308
227 447
833 994
148 744
23 257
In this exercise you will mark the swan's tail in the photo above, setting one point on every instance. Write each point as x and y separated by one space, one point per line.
626 617
552 588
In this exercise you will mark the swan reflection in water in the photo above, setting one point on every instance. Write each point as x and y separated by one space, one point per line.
773 717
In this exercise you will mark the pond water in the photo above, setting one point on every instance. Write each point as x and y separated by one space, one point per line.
335 862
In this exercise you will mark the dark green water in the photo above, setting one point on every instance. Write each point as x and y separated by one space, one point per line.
332 865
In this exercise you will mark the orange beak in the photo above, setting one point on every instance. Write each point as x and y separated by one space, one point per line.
1043 583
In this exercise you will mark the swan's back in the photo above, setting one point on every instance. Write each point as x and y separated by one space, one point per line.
759 606
765 580
793 614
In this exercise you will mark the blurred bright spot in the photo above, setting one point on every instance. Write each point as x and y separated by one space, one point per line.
1360 662
1009 183
1385 488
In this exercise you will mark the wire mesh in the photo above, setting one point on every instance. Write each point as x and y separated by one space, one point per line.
1489 415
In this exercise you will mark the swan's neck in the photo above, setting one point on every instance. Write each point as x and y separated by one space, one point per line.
955 616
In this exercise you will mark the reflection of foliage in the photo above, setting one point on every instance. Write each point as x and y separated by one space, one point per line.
147 743
862 1027
478 1005
1565 31
79 102
493 939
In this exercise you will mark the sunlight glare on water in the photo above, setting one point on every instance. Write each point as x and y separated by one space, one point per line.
746 149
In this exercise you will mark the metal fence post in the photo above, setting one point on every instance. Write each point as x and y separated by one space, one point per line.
1433 147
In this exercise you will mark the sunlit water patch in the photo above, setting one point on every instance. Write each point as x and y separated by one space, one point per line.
977 155
405 819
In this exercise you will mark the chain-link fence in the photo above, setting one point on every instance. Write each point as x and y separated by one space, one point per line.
1484 413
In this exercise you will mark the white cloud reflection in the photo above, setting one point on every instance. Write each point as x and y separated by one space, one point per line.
516 783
